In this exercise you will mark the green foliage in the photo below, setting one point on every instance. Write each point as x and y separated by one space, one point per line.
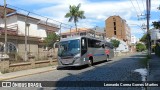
51 39
115 43
74 14
156 24
157 49
144 38
140 47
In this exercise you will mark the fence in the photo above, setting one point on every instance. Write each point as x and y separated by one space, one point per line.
6 66
35 59
38 56
17 62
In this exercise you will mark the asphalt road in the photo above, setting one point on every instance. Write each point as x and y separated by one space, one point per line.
117 69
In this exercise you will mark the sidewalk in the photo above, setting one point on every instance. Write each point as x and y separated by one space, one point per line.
11 75
154 67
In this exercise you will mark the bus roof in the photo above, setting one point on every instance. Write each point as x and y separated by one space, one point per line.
78 37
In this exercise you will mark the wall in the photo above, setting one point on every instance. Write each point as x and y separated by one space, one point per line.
123 47
5 67
10 21
32 28
33 48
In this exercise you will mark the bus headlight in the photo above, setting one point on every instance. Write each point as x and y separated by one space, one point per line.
75 58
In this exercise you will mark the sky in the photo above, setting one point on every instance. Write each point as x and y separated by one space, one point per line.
96 11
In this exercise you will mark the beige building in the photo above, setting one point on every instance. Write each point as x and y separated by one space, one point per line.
118 28
93 32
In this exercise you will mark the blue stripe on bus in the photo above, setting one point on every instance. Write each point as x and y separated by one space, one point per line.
98 54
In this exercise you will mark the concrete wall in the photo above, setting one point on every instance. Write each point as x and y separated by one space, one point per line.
32 30
5 67
10 21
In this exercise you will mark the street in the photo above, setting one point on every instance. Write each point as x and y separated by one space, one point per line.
118 69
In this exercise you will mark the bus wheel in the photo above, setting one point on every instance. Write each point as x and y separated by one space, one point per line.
107 58
90 62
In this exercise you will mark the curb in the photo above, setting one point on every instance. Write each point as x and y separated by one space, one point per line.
23 75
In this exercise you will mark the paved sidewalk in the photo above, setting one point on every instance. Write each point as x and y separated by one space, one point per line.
154 75
11 75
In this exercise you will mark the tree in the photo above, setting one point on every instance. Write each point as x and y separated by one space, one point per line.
74 14
140 47
144 38
51 39
115 43
156 24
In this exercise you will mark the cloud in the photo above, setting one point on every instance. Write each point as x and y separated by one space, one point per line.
96 12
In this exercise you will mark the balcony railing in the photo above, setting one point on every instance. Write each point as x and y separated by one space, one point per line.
11 30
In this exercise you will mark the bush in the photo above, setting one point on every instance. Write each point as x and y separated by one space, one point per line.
140 47
157 49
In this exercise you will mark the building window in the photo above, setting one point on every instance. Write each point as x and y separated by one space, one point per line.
114 23
114 32
114 28
11 48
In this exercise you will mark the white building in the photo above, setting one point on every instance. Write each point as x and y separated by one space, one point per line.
133 39
36 30
123 46
155 34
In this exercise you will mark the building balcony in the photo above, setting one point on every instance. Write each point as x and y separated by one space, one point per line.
11 30
50 27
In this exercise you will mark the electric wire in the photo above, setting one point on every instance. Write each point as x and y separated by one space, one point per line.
139 7
39 15
134 8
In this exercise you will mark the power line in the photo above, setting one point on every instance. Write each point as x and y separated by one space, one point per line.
134 8
139 6
143 5
40 15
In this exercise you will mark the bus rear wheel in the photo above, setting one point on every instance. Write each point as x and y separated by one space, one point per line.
90 62
107 58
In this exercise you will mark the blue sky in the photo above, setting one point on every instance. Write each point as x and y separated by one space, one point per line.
96 11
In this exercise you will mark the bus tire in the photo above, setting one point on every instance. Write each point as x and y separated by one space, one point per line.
58 68
107 58
90 61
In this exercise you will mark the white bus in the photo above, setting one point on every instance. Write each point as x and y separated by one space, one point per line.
81 50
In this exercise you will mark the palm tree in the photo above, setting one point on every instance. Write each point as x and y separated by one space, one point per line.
74 14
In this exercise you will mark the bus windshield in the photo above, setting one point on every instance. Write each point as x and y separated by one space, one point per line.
69 48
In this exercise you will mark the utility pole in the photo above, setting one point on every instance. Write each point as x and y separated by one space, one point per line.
148 5
5 27
26 51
